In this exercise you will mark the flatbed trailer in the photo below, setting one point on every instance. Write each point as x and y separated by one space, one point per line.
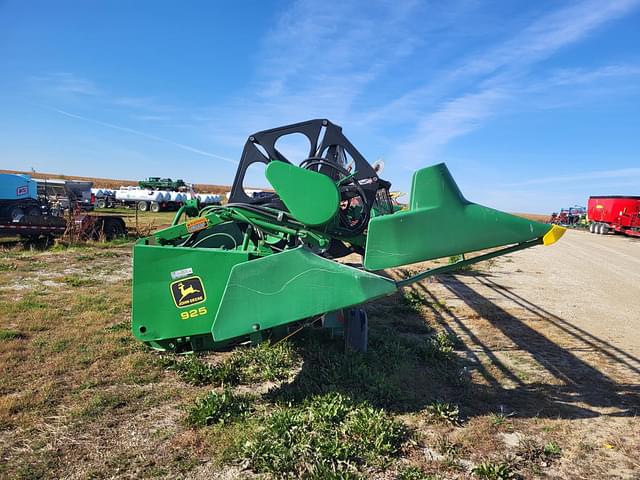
614 214
49 227
10 229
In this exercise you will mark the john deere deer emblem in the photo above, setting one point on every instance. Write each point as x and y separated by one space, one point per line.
188 291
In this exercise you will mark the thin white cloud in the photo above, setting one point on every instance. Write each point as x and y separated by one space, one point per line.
577 76
317 61
500 71
454 119
548 34
142 134
65 83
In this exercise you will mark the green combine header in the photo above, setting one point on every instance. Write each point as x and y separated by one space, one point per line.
257 267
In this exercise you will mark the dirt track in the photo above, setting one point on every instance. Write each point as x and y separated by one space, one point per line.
572 308
590 281
553 332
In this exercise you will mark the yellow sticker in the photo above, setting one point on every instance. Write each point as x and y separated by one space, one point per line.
197 224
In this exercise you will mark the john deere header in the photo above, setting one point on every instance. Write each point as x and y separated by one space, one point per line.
257 265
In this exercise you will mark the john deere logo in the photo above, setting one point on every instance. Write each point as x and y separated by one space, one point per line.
188 291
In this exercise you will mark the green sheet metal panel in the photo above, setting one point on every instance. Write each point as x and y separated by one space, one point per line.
158 311
311 197
441 223
290 286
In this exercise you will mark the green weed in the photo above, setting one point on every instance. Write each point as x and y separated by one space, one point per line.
499 419
31 301
99 403
60 346
439 347
7 267
119 327
414 299
413 473
493 471
224 407
76 281
10 334
444 412
327 436
552 449
265 362
194 371
458 258
447 447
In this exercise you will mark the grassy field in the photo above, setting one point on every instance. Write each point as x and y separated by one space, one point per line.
79 398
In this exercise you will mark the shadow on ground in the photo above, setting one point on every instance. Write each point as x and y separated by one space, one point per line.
405 369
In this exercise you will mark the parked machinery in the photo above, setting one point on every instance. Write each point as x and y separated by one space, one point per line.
570 217
256 266
34 209
23 213
614 213
157 183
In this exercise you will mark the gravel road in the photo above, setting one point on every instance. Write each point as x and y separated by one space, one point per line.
590 281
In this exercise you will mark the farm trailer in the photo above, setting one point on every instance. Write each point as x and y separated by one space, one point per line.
151 200
27 213
614 213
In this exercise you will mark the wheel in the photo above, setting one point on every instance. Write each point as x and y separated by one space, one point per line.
599 229
143 206
592 227
154 207
16 214
101 203
605 229
33 212
113 228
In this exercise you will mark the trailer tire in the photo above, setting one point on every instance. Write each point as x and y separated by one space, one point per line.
154 207
605 229
113 227
592 227
33 212
143 206
16 214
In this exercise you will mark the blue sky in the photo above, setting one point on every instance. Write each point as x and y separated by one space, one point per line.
532 105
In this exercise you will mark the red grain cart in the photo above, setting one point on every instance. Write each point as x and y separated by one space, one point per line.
614 213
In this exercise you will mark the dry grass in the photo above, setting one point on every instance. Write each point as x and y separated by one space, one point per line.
79 398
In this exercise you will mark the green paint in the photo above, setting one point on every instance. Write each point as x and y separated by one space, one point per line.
310 196
439 223
290 286
155 315
262 269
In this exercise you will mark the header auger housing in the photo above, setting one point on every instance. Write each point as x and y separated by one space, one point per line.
255 266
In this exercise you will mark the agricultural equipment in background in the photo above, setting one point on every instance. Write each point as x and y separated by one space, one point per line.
257 267
570 217
157 183
26 211
615 214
